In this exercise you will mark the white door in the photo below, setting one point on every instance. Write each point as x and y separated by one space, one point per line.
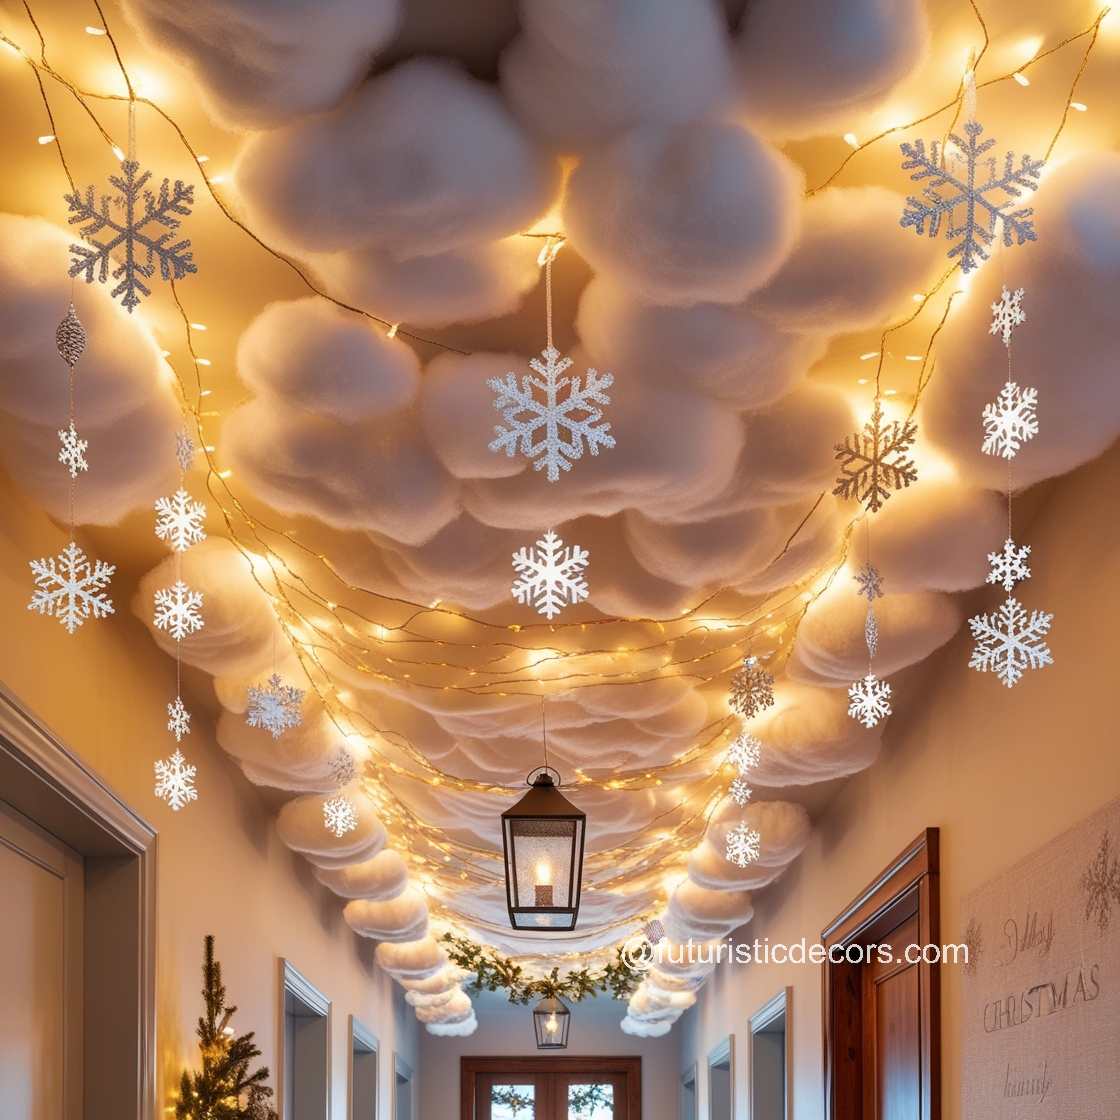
41 890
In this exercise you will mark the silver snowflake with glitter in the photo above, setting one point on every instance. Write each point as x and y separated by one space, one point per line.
276 707
177 610
1010 641
68 587
551 418
124 223
745 752
175 781
871 632
179 520
875 462
1009 421
1100 883
1009 566
1007 314
339 816
72 450
869 700
752 689
550 575
970 203
70 338
342 767
744 845
870 582
178 719
184 449
740 791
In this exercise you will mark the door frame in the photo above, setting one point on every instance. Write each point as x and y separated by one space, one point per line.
908 885
630 1068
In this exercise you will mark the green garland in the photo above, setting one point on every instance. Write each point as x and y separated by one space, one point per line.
494 972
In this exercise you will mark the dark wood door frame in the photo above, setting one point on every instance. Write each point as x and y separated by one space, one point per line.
907 886
630 1068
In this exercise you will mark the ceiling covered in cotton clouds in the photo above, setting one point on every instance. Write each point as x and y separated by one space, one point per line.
726 255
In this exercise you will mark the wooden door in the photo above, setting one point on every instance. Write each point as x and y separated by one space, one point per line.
553 1088
584 1096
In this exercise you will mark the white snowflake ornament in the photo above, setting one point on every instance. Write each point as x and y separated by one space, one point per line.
68 587
1007 314
276 707
177 610
740 791
339 816
1010 641
876 462
178 719
1009 566
869 700
744 845
550 575
1010 421
175 781
72 450
179 520
752 689
551 418
745 753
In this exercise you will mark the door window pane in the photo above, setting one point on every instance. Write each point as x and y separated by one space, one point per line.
512 1102
591 1101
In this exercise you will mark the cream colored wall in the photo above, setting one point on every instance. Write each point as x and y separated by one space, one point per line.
999 771
222 869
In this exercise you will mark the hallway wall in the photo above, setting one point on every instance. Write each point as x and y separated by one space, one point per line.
999 771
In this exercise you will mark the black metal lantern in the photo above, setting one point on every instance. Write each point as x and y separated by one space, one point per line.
542 836
551 1021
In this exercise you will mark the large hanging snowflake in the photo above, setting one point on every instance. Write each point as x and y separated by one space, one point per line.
276 707
744 845
69 588
1007 314
175 781
1009 566
870 582
72 450
1010 641
177 610
752 689
179 520
550 575
745 753
139 209
339 816
869 700
178 719
1101 884
551 428
1009 421
874 462
970 207
740 791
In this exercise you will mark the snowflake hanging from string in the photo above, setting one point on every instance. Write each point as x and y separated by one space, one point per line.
70 338
870 582
1009 421
871 632
175 781
1007 314
745 752
874 462
550 575
1010 641
1009 566
1101 884
744 845
139 210
869 700
184 449
752 689
339 816
342 767
553 428
177 610
178 719
72 450
740 791
70 589
179 520
952 198
276 707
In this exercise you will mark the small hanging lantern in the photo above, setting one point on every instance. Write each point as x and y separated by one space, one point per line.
551 1021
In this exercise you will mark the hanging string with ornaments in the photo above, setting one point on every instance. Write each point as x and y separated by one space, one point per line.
752 692
339 813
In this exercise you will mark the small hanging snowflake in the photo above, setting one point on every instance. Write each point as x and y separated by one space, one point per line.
551 429
1008 566
869 700
1009 421
1009 641
550 575
1100 883
70 338
744 845
175 781
339 816
870 582
179 520
72 450
177 610
275 708
945 192
139 208
740 791
744 753
178 719
752 689
871 632
1007 314
70 589
342 767
874 462
184 450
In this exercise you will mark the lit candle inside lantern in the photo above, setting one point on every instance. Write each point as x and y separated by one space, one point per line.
543 891
552 1025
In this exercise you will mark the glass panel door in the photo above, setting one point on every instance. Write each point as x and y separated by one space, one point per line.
510 1097
590 1097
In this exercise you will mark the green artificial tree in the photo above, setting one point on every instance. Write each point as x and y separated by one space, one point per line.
224 1089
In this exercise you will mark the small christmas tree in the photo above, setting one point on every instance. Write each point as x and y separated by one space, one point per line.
224 1089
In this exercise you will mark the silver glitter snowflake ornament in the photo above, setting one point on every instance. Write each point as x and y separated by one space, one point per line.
971 206
179 520
875 462
124 221
550 575
744 845
1100 884
870 582
342 767
276 708
1009 641
178 719
1009 566
71 588
1009 421
550 418
744 753
869 700
70 338
752 689
339 816
175 781
72 450
871 632
177 610
1007 314
740 791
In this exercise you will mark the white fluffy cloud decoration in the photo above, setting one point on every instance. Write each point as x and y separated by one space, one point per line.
700 913
640 1029
403 918
411 960
784 828
453 1030
382 877
300 824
